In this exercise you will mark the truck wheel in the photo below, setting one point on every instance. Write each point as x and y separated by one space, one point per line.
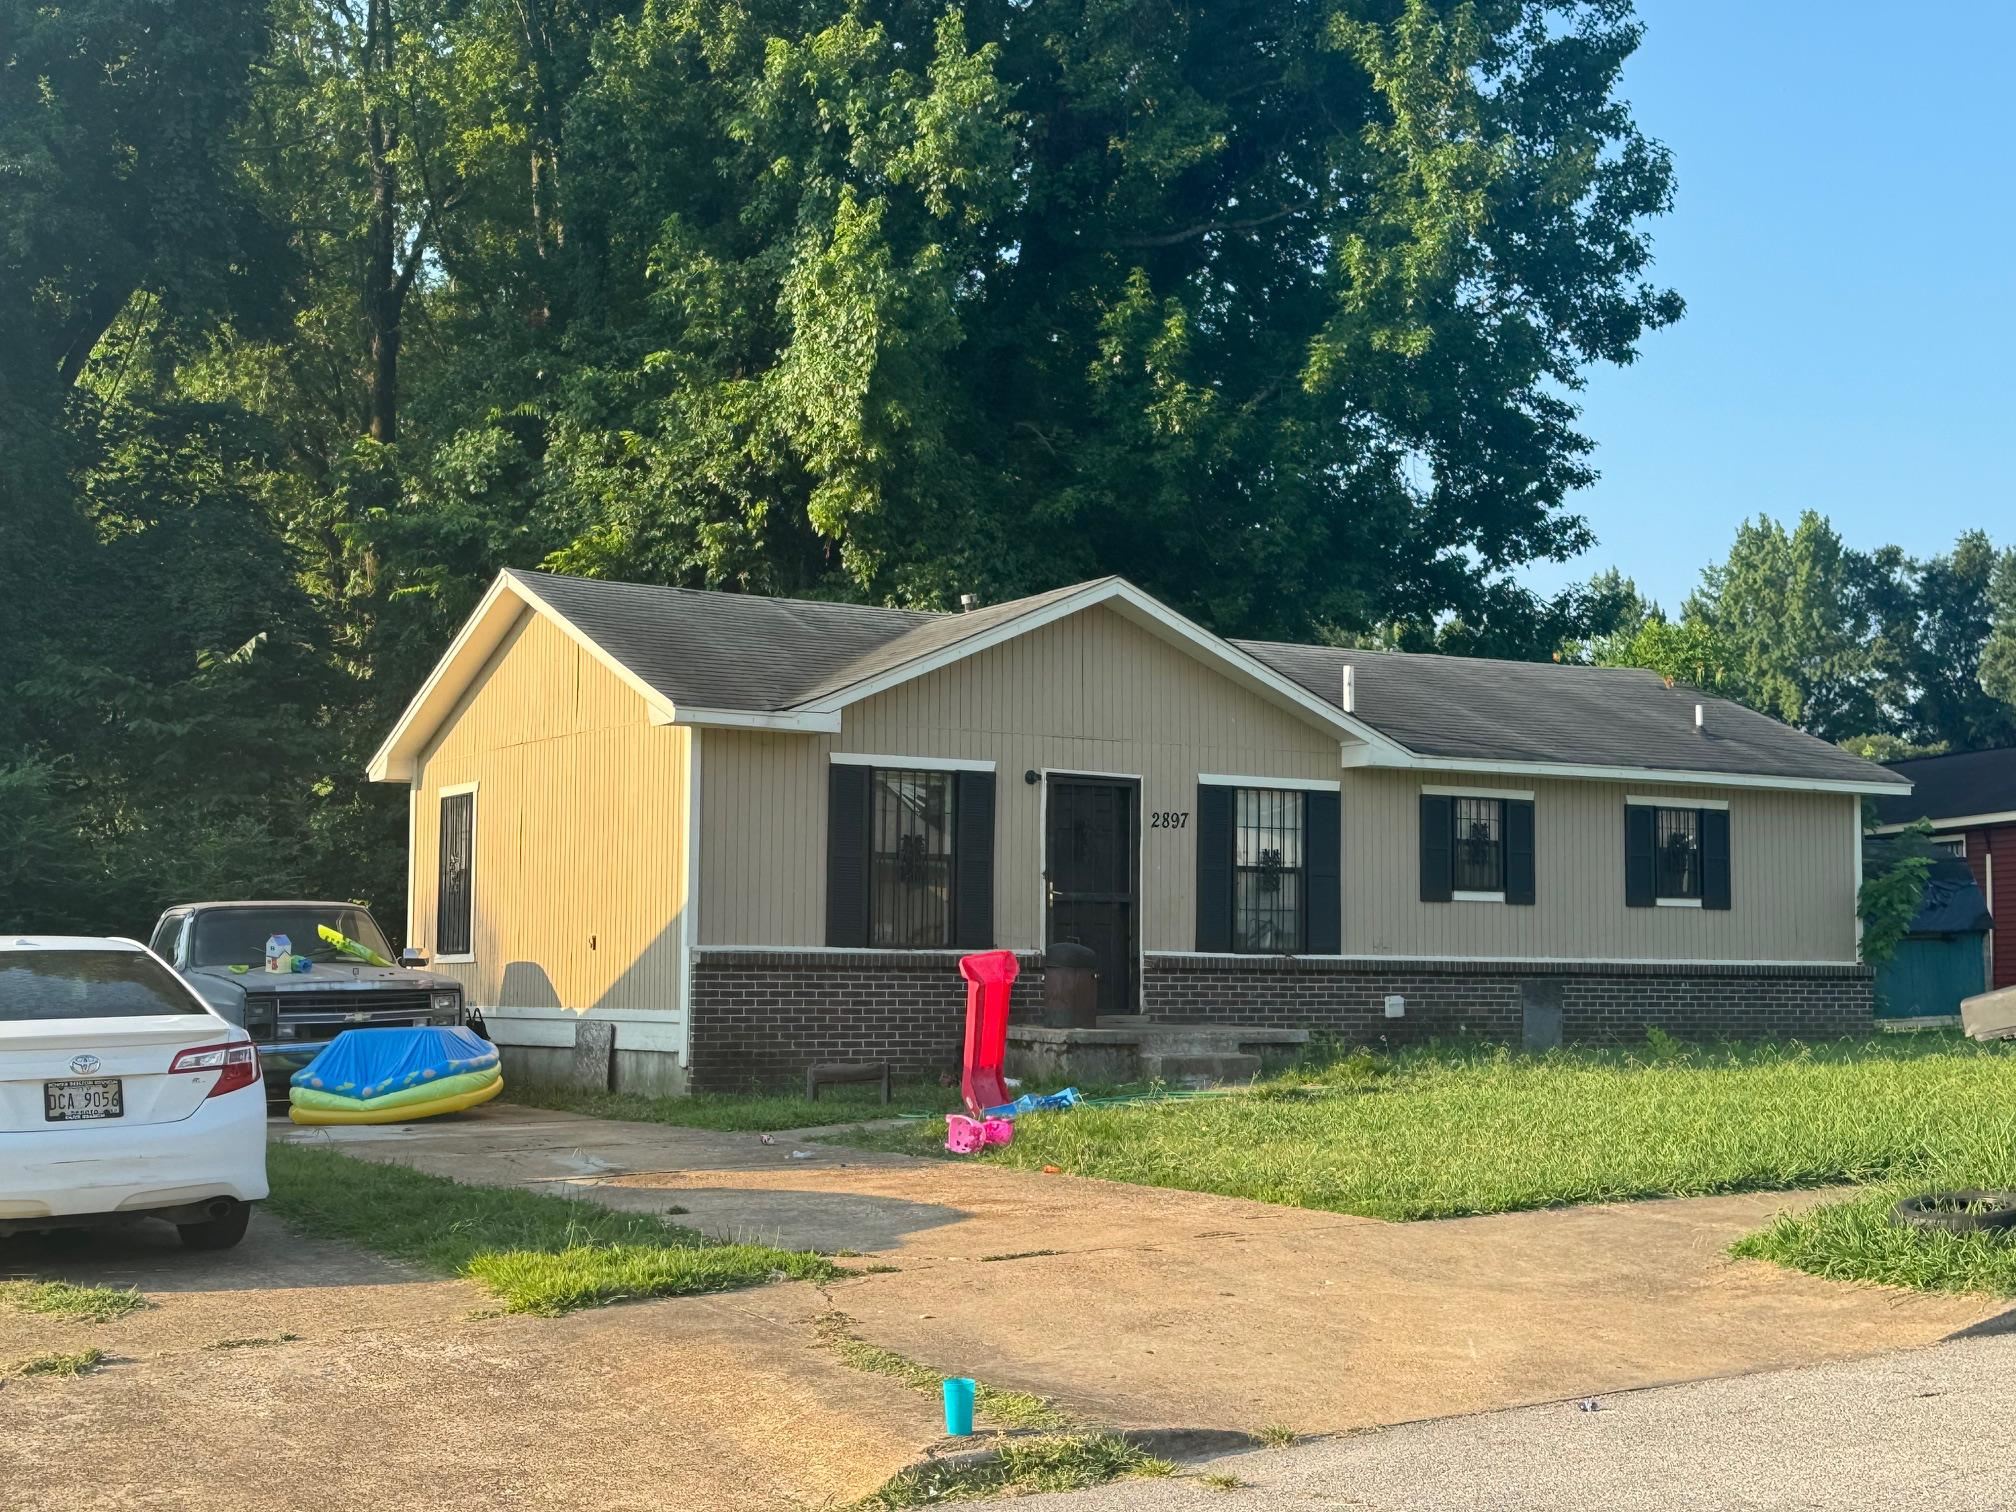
217 1233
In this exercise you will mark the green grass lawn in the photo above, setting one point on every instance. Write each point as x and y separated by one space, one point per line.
538 1254
747 1111
1454 1129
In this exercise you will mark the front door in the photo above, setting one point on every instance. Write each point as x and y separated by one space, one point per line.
1090 878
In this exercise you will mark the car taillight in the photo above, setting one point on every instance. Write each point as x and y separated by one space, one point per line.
238 1065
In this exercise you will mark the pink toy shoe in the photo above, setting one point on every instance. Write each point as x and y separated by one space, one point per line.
964 1135
997 1131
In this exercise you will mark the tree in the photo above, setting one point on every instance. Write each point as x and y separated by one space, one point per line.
1270 307
1931 624
1784 607
1998 656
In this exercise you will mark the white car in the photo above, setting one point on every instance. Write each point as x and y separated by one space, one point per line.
123 1095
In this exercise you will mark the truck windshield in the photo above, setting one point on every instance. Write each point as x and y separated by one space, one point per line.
237 936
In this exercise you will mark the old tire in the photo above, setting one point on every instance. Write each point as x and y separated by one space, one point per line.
217 1233
1966 1212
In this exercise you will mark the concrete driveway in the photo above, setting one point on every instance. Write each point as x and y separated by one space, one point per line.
292 1372
1137 1307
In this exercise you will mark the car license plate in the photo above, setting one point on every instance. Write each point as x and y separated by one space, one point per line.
63 1101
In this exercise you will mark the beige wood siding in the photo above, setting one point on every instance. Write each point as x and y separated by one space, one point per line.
1091 693
1096 693
579 874
1792 877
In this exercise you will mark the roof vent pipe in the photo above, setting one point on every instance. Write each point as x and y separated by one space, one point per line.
1697 716
1350 690
968 602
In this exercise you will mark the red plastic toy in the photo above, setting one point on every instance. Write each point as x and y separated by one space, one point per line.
990 977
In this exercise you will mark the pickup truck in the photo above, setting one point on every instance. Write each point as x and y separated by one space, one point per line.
220 949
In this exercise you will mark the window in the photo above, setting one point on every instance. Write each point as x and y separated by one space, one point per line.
1268 892
166 933
1479 843
909 853
237 936
454 898
910 859
1950 845
1270 866
1676 837
1478 846
85 984
1675 856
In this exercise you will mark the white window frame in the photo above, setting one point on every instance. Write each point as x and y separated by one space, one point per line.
441 795
1640 800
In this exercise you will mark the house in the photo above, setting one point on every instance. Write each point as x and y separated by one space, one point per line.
752 833
1970 799
1941 961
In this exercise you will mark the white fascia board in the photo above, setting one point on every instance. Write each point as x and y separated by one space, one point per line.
789 721
1958 821
910 763
1280 784
1482 768
1155 617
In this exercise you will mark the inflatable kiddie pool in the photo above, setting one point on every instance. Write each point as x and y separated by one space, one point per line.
368 1076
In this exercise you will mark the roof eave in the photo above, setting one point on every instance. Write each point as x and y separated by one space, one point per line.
1600 773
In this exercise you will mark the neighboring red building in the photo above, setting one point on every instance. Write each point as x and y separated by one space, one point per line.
1971 800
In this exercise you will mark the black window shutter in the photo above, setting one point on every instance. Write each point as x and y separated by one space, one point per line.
1323 856
1641 880
1520 885
973 860
1714 858
1214 867
847 790
1438 848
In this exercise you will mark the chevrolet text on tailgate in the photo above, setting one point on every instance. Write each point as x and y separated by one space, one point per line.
324 987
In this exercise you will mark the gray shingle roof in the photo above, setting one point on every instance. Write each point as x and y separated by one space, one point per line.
1574 716
764 655
1953 787
738 651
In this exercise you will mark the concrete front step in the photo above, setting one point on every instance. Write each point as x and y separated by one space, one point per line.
1199 1070
1133 1049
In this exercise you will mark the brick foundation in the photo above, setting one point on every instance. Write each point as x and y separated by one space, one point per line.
1490 998
760 1017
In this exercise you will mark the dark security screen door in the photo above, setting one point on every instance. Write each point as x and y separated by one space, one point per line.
1090 856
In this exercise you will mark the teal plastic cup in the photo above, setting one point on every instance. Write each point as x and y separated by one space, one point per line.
959 1406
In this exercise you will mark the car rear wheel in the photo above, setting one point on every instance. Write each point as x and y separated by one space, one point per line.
218 1233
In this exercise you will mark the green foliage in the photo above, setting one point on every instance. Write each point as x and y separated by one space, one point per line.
1854 1240
63 1299
1689 652
1450 1130
538 1254
1893 890
1277 310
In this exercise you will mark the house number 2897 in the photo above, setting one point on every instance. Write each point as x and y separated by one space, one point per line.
1170 819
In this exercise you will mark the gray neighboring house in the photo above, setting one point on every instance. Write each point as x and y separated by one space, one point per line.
752 833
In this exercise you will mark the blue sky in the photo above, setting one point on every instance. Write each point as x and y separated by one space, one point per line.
1845 238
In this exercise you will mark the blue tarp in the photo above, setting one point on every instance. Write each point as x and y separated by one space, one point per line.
365 1063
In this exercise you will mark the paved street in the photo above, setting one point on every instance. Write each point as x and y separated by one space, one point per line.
1927 1428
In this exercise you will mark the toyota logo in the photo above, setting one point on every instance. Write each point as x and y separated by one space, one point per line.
84 1065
